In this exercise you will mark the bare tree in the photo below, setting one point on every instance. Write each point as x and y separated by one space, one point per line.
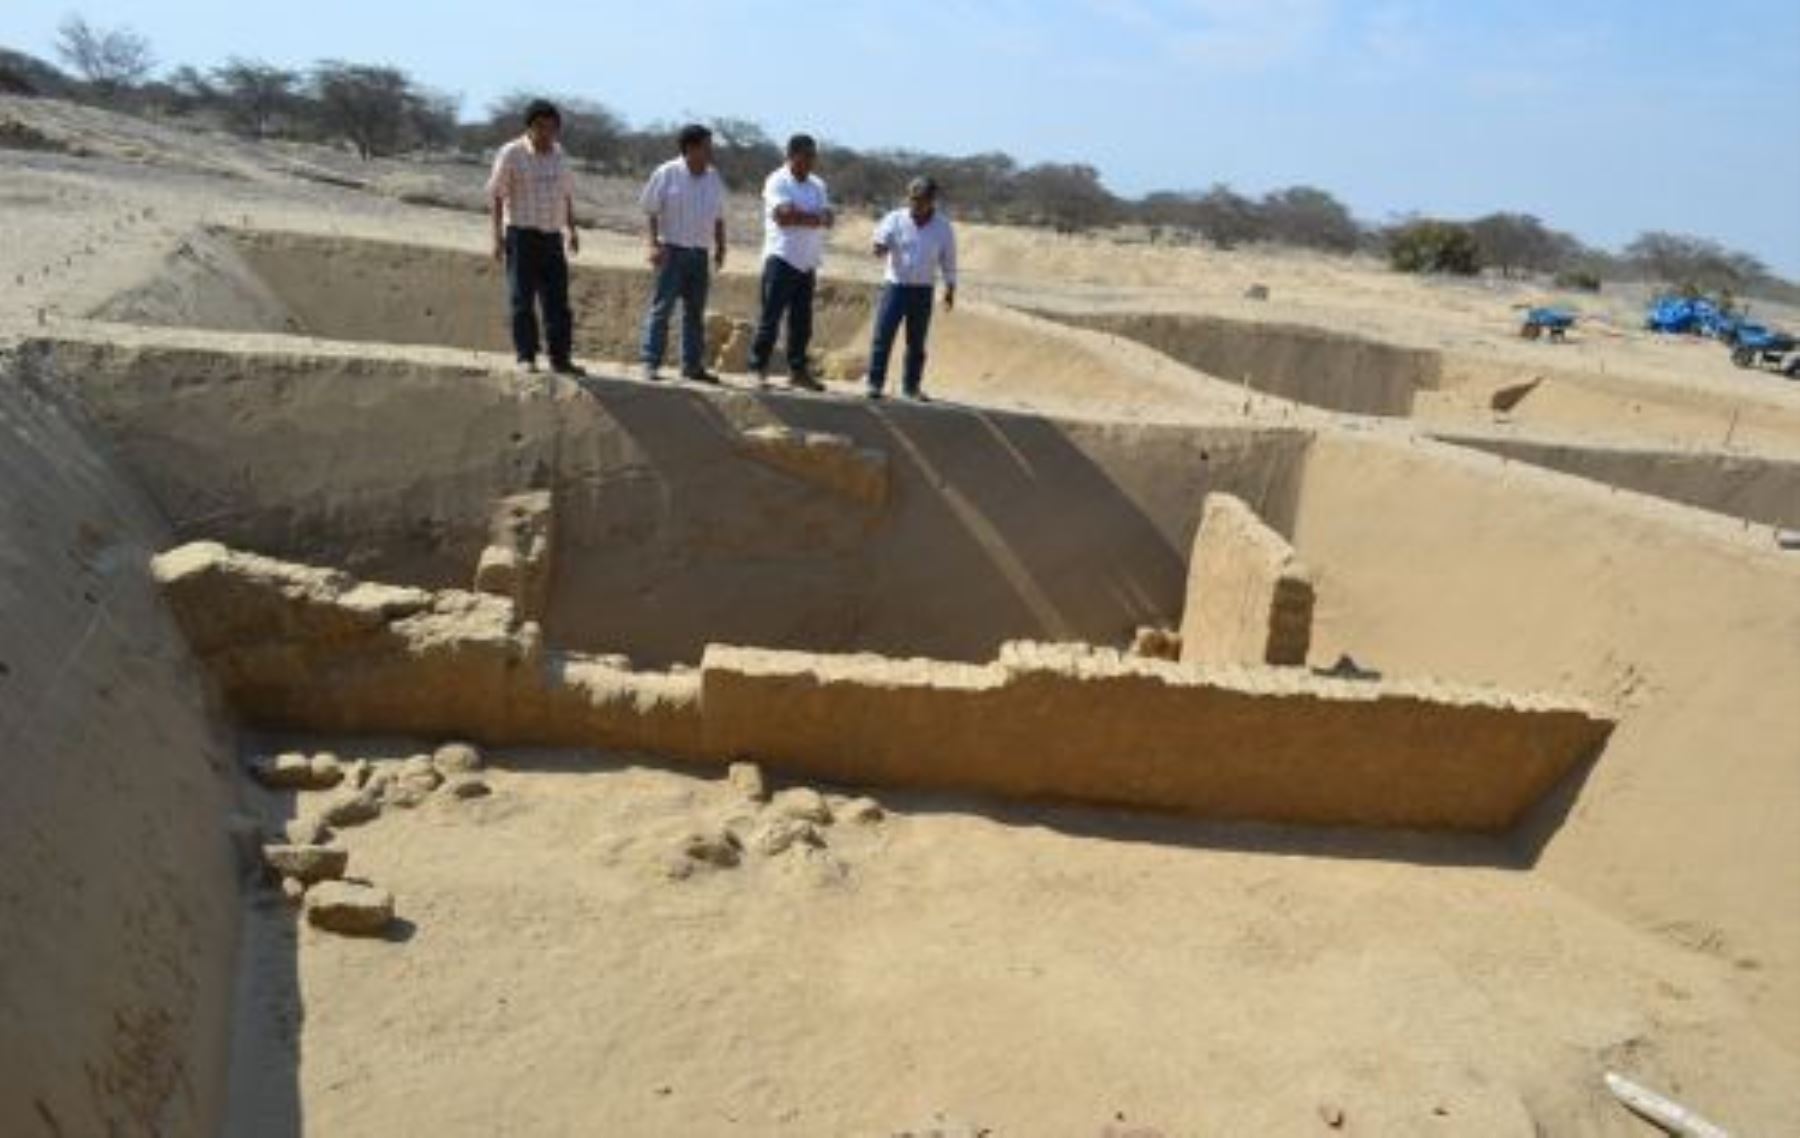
367 105
431 117
255 95
1069 197
1520 243
1694 263
1310 218
110 60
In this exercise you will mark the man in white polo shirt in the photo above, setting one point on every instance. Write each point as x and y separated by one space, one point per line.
796 216
918 243
532 196
685 204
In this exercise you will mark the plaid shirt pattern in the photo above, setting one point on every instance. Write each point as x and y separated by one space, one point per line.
534 188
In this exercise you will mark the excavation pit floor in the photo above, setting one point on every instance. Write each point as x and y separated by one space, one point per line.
955 967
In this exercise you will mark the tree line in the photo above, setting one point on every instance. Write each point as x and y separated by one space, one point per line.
379 110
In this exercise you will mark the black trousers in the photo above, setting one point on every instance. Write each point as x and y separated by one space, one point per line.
537 272
784 289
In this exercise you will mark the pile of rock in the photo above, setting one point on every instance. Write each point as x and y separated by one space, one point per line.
795 819
309 870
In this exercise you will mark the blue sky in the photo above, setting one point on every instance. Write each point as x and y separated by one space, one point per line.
1602 117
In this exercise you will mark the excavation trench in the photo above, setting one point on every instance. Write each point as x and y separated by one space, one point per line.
857 594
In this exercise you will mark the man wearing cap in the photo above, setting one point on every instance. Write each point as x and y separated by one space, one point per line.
532 199
796 216
685 204
918 243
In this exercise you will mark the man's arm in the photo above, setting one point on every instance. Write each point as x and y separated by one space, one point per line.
790 216
884 233
574 234
719 242
657 253
496 191
650 201
947 261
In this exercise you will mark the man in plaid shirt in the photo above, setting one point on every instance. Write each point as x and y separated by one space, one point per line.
532 194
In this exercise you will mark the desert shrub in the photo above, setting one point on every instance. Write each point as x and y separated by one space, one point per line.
1582 280
1428 246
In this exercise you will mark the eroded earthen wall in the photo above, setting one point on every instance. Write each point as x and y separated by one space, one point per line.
312 649
1249 599
119 912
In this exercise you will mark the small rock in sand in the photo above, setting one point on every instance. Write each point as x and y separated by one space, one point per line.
307 864
356 773
456 758
777 835
864 810
468 786
1156 644
327 770
307 830
747 779
412 783
293 890
349 907
802 802
291 771
720 849
352 808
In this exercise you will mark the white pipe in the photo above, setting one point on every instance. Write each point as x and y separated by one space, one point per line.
1666 1113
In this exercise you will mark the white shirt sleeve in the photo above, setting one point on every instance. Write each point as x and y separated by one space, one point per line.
650 201
948 257
777 192
884 232
499 183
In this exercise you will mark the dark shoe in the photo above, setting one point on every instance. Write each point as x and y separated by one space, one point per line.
762 378
701 376
568 368
874 393
525 366
802 379
918 397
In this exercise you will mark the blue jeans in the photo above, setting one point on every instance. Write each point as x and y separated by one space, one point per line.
912 304
784 289
684 277
538 271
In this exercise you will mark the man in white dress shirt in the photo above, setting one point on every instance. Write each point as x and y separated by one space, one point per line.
796 216
918 243
531 196
684 202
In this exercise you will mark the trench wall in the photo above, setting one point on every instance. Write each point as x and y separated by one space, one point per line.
391 293
1754 487
119 911
1308 365
671 530
1431 559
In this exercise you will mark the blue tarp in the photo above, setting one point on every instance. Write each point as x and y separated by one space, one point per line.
1689 316
1550 318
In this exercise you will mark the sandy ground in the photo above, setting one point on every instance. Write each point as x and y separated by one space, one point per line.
961 965
1014 971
